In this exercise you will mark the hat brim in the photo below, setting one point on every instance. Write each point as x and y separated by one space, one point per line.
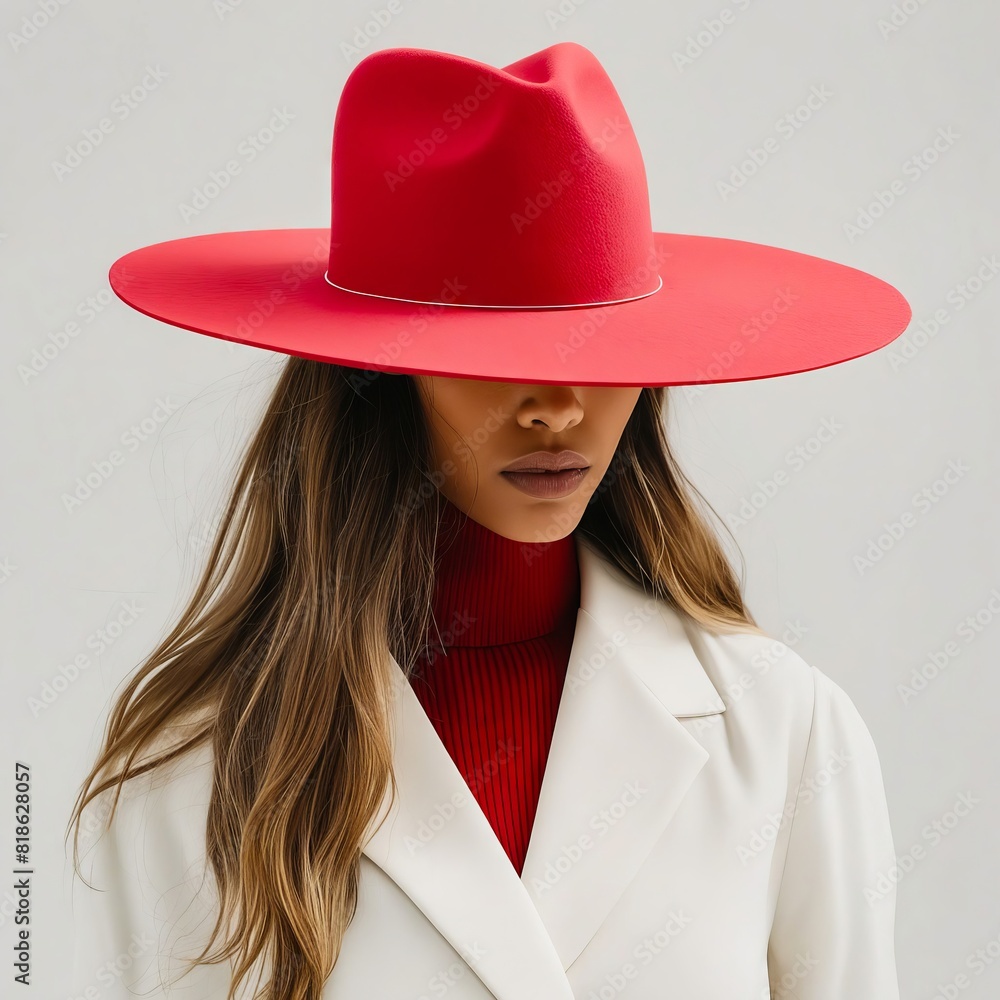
728 311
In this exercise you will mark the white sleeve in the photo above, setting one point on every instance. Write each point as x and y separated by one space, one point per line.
150 906
832 935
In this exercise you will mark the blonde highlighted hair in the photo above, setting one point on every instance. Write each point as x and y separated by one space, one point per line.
321 566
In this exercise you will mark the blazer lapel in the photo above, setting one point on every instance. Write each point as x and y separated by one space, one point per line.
438 846
620 763
618 768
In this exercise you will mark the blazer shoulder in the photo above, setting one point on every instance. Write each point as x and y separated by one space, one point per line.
746 663
770 691
774 695
147 892
161 812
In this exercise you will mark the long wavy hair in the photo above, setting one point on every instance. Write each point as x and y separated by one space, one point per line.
322 564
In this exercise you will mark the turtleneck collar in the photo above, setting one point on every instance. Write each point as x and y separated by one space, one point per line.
490 589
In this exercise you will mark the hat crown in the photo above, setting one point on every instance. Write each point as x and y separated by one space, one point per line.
460 183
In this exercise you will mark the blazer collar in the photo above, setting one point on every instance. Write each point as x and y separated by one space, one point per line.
619 766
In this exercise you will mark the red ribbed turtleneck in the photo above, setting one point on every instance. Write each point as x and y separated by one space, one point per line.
505 612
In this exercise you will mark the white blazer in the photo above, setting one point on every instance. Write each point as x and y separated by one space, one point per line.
712 825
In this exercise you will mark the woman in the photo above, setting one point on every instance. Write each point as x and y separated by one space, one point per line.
467 702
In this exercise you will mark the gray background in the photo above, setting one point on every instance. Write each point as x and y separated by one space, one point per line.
136 542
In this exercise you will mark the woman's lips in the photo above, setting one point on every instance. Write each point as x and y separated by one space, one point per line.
547 484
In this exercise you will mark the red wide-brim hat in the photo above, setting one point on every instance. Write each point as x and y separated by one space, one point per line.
494 224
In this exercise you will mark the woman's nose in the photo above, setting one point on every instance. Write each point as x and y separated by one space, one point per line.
555 406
